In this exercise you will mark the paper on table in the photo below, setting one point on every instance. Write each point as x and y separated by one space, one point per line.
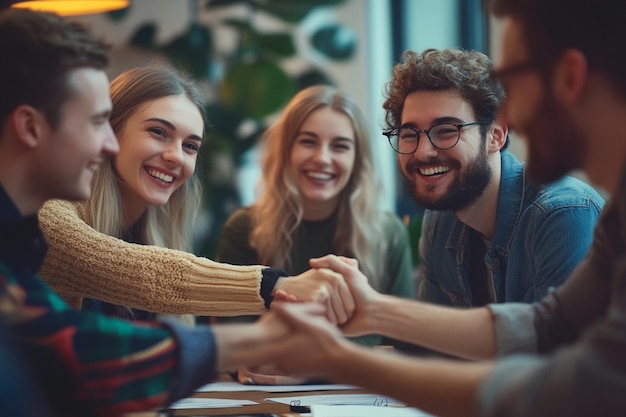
365 411
237 387
339 399
208 403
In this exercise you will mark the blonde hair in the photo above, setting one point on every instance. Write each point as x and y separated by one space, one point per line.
169 225
278 210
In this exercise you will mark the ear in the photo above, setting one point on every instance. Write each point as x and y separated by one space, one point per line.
29 125
496 135
570 76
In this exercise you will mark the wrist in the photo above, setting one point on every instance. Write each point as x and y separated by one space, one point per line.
381 312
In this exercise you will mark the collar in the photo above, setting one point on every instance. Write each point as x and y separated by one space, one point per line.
510 200
22 245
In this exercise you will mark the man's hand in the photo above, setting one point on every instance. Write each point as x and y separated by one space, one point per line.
305 350
363 321
271 339
322 286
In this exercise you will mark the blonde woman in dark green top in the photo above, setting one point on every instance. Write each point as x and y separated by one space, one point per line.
318 195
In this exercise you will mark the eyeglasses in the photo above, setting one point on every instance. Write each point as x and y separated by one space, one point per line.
442 136
499 74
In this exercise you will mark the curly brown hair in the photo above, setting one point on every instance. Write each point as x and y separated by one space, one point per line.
468 72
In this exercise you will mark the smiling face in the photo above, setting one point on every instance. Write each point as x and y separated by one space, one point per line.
448 179
78 145
159 146
322 159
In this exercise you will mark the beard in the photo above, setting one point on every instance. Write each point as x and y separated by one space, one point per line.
464 190
554 146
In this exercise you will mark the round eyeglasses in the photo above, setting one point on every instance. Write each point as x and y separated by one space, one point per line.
442 136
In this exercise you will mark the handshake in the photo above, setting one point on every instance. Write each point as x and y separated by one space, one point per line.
309 317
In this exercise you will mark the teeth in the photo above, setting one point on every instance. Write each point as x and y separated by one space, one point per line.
319 175
434 170
163 177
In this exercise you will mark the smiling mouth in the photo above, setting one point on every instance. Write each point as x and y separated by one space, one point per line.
320 176
437 170
160 176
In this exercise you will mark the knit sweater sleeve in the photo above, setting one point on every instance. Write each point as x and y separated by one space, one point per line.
82 262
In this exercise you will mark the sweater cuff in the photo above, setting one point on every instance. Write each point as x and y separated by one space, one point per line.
269 277
197 358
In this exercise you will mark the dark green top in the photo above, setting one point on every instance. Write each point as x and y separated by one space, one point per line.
313 239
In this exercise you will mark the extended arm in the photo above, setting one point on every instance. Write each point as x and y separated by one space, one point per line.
317 349
431 326
82 262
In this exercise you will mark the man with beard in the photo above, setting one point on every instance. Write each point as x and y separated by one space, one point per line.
565 78
488 234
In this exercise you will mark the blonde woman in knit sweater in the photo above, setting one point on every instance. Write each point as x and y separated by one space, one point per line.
125 249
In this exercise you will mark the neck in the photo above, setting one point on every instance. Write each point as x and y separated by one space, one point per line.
321 211
27 195
132 209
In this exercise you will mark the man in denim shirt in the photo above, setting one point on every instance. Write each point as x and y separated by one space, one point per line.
564 355
488 235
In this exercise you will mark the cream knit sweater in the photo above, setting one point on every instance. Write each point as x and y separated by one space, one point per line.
82 262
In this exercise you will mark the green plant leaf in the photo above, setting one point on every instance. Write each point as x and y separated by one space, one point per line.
191 51
336 42
292 11
280 44
258 88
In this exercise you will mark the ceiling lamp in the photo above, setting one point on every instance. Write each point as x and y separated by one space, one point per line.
73 7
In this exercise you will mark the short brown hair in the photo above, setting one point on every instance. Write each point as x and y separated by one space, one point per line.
37 51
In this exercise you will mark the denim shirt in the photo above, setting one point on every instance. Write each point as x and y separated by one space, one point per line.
541 233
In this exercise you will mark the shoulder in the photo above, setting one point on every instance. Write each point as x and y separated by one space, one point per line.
58 209
391 223
240 219
569 193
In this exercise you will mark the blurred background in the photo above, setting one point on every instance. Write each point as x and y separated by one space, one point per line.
252 56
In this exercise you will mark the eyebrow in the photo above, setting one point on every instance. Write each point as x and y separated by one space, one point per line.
342 138
439 120
103 114
171 126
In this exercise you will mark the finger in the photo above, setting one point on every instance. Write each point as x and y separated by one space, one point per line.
282 295
338 305
333 263
346 299
331 315
310 308
350 261
299 317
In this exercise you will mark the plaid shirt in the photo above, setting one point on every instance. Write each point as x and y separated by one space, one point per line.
88 364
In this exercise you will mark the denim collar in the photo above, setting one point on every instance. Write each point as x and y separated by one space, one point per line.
510 201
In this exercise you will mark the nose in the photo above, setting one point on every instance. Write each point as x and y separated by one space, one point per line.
424 147
322 154
110 146
173 153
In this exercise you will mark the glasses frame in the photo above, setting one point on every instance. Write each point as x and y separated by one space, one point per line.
394 132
